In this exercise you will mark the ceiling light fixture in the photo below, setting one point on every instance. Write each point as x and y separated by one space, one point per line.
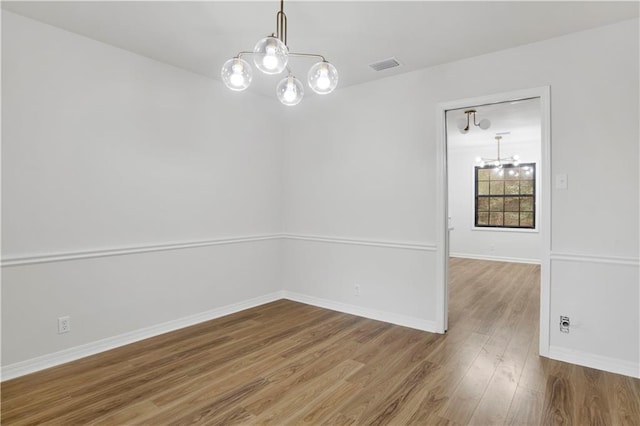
271 56
498 162
464 124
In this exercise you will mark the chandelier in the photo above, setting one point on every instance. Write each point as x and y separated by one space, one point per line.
271 56
464 124
499 162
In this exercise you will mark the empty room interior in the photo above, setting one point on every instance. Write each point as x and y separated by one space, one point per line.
320 212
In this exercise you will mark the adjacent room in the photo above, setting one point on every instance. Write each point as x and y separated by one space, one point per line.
320 212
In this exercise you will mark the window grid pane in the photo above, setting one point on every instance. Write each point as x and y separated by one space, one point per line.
505 200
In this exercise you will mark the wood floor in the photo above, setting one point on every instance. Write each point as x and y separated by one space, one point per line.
287 363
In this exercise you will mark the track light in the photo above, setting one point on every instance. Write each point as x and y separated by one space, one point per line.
465 123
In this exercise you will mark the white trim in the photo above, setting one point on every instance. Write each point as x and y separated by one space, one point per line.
51 360
515 230
121 251
590 258
543 224
495 258
90 254
544 214
359 242
405 321
613 365
442 221
536 200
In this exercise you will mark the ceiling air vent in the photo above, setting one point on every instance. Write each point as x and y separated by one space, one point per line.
385 64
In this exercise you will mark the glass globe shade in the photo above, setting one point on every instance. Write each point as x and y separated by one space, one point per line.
290 91
322 78
271 55
236 74
484 124
461 124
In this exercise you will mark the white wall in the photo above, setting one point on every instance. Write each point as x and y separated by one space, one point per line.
104 149
485 243
361 167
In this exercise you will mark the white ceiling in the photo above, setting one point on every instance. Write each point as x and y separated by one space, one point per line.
199 36
521 119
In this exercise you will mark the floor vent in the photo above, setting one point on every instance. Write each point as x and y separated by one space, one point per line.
385 64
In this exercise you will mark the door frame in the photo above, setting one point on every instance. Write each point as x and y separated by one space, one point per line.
442 225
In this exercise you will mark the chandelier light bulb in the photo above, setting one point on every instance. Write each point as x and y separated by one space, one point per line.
271 55
497 163
323 82
481 163
322 78
236 74
270 61
478 159
290 91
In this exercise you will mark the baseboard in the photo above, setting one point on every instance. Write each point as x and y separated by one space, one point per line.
612 365
51 360
495 258
405 321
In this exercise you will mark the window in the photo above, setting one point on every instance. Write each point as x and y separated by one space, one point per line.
506 197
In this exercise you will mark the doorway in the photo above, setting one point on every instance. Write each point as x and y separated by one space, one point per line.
484 230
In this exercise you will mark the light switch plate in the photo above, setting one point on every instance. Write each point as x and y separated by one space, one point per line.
562 181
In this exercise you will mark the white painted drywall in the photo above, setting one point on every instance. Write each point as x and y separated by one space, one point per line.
102 149
464 239
362 166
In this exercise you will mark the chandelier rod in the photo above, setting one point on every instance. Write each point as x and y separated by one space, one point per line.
302 55
281 24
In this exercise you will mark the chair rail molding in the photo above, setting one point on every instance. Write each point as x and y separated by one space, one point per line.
121 251
362 242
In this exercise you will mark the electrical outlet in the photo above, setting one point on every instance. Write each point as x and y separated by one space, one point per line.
565 323
64 325
356 289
